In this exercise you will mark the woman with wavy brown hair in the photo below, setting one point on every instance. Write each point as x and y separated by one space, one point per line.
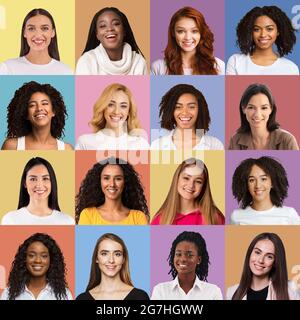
190 48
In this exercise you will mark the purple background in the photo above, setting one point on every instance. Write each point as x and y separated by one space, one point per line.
290 161
161 243
162 11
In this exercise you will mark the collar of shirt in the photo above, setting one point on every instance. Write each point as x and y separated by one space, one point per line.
246 140
197 284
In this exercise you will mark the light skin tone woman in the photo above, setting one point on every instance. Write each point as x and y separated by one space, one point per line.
257 113
110 260
185 115
264 36
38 33
40 114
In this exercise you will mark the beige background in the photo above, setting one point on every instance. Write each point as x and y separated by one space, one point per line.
12 164
137 12
237 241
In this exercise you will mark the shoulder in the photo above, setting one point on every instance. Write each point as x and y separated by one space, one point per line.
220 66
10 144
85 141
61 68
85 296
289 210
239 141
156 220
63 218
159 67
213 143
293 290
4 295
230 291
236 215
68 146
7 67
11 217
138 216
137 294
285 139
293 68
163 143
238 57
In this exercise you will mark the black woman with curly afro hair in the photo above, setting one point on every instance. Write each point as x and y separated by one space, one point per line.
260 187
257 32
35 119
38 271
111 193
189 263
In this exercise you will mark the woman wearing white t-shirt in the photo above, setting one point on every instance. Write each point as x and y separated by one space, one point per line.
189 262
39 49
257 32
114 122
260 186
38 200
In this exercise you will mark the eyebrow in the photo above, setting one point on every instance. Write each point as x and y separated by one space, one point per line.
253 105
44 100
262 175
124 102
109 175
111 251
187 103
43 25
273 254
269 25
34 176
113 20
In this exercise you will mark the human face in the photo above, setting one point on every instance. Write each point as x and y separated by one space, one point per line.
110 30
259 185
264 33
38 183
190 182
110 257
186 111
187 34
186 258
37 259
262 258
117 111
40 110
112 181
258 111
39 32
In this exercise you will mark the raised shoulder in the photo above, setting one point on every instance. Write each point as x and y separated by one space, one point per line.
10 144
68 146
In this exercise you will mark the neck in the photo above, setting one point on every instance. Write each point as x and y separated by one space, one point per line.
115 132
41 135
113 205
258 283
39 57
187 281
115 54
260 137
187 58
262 206
39 208
265 53
37 282
110 284
184 134
187 206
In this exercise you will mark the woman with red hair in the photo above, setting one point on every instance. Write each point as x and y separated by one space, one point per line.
190 47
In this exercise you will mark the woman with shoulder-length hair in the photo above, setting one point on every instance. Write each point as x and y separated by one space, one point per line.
115 122
111 48
189 200
264 275
39 49
38 271
258 32
36 118
190 47
110 270
38 198
259 128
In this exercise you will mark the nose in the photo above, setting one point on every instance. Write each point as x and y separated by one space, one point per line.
263 32
37 259
187 35
111 258
261 259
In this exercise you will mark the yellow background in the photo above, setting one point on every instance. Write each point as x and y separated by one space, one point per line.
237 241
12 164
161 175
63 13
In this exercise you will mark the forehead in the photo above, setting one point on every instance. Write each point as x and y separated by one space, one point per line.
186 22
264 21
265 245
37 246
187 98
186 246
39 19
108 16
112 169
257 171
193 170
259 99
110 245
119 95
39 169
39 96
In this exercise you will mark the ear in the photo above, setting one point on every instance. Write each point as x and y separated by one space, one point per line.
53 33
199 260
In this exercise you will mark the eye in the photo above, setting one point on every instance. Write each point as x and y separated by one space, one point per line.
44 256
45 28
255 29
103 254
270 29
30 28
119 254
116 23
251 180
179 31
177 254
101 26
46 179
195 31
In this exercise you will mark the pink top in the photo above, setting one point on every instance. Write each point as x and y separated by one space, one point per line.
192 218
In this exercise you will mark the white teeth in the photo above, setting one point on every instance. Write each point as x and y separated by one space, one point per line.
116 118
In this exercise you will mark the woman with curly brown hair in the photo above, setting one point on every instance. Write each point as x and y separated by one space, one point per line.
111 194
257 32
36 119
38 271
190 47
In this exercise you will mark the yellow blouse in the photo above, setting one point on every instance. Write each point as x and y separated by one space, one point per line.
91 216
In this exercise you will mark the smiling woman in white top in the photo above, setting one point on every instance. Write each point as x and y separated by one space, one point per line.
260 186
38 271
111 48
115 123
189 262
184 112
38 200
190 48
264 275
257 32
39 49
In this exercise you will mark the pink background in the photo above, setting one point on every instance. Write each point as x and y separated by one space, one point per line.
285 90
89 88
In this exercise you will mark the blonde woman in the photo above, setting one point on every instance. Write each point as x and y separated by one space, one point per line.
115 123
189 201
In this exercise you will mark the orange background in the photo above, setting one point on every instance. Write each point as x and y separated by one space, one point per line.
11 237
136 11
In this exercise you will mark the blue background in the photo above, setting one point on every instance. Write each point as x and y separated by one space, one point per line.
64 84
137 241
235 10
212 87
